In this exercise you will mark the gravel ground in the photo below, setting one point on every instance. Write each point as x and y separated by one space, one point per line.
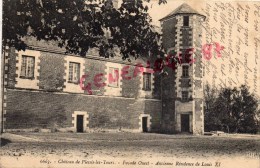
127 145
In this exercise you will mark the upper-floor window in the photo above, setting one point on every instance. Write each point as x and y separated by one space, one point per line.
185 71
27 69
74 72
147 81
113 77
185 20
184 95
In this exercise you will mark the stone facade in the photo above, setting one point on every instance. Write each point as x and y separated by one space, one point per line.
45 88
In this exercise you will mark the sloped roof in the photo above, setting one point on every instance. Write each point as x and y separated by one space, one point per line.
183 9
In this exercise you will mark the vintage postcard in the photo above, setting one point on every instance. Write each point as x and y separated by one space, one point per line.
130 84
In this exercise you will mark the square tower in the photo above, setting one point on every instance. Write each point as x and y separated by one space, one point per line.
183 103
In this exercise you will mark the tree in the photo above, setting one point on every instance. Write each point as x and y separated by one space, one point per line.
234 109
79 25
212 121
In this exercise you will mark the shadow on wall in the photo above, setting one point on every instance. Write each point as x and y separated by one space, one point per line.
154 109
24 119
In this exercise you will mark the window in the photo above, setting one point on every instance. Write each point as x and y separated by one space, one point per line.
185 71
184 95
147 81
27 69
113 77
74 72
186 54
185 20
185 82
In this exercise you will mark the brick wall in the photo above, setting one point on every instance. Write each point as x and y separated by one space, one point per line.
51 72
93 67
198 111
180 38
11 67
169 33
52 106
170 41
26 109
131 87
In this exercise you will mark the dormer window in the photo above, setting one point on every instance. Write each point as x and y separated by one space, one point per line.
185 20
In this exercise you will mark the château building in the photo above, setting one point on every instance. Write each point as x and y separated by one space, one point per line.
44 88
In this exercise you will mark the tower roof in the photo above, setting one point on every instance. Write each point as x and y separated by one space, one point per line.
183 9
